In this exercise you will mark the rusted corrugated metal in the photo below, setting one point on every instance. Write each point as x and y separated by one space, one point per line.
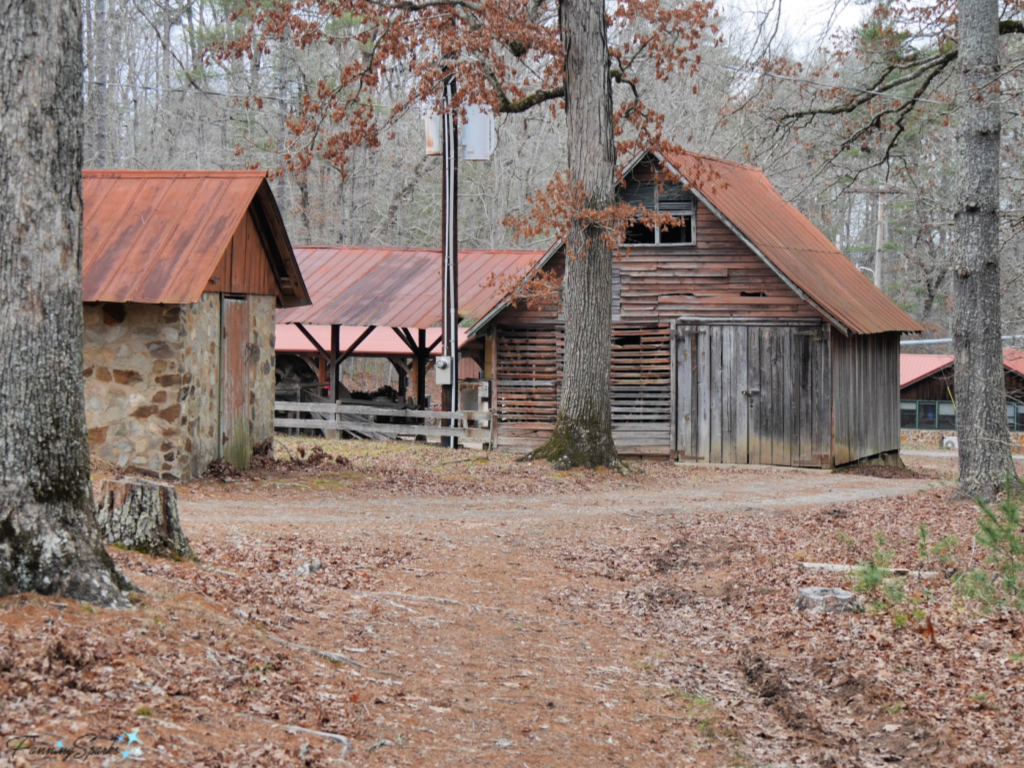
156 237
398 287
776 229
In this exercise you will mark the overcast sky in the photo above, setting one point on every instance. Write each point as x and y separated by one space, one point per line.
803 22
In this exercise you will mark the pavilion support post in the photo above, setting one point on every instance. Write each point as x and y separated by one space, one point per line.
332 434
421 369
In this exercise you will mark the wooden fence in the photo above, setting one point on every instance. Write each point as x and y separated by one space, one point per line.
376 422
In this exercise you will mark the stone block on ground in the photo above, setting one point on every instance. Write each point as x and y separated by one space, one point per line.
828 600
143 516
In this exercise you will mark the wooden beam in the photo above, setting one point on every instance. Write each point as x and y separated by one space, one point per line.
362 337
421 369
335 342
309 336
406 337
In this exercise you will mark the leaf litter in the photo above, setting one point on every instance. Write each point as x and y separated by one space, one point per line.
657 628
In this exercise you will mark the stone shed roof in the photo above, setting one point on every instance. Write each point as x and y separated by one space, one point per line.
157 237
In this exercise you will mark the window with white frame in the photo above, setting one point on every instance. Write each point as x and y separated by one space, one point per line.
673 199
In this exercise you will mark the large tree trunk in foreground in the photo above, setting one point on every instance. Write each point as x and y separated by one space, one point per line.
583 431
49 541
980 391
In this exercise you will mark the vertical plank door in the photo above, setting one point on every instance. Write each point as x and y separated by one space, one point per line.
235 382
753 394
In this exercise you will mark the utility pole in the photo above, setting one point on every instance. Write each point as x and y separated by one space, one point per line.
450 255
879 239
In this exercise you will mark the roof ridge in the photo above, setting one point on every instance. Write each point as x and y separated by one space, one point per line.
166 173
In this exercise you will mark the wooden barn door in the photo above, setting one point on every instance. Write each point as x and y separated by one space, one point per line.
236 379
753 394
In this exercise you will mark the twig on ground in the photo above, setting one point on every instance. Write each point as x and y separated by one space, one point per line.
335 657
343 740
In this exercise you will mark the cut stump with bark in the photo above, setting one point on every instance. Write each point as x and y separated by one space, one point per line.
143 516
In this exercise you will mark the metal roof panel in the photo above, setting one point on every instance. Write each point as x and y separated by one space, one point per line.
398 287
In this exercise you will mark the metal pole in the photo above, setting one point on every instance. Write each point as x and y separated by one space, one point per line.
450 249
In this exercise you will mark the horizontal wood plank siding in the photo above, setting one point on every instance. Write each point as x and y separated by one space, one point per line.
865 395
663 282
642 388
528 379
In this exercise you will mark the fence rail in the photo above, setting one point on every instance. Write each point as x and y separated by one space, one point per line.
363 421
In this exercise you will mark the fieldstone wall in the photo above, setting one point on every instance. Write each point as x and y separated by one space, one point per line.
132 386
200 392
931 439
152 383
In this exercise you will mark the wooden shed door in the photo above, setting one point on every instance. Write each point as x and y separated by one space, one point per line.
236 380
753 394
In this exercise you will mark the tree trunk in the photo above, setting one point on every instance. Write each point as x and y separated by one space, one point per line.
980 392
143 516
49 541
583 430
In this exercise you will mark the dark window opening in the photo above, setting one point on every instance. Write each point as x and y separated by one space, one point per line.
926 415
639 234
908 415
626 341
753 293
681 233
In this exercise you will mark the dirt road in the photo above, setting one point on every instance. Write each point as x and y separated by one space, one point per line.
504 651
372 604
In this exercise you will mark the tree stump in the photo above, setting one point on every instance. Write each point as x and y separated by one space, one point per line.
143 516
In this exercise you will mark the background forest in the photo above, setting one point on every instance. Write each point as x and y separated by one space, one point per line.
160 93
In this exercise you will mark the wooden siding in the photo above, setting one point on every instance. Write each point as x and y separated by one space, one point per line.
663 282
642 389
756 394
528 376
245 268
865 395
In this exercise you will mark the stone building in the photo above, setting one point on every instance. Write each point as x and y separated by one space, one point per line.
182 273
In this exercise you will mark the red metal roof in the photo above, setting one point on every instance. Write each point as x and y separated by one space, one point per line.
380 342
913 368
744 198
156 237
1013 360
398 287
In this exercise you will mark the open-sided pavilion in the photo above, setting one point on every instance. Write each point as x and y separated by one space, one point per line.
387 303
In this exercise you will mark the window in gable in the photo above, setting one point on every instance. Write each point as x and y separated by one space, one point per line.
671 198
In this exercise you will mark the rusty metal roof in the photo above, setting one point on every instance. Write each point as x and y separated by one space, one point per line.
398 287
156 237
745 200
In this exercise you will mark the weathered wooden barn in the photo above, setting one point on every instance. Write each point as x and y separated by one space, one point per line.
182 272
740 335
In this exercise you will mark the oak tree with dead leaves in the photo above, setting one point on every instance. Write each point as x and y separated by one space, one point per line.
512 56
